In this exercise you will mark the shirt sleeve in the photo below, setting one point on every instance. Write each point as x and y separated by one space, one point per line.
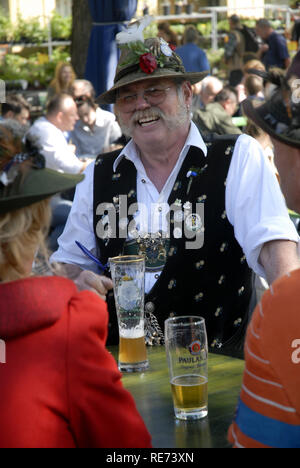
227 127
55 149
255 205
102 413
282 48
79 226
64 159
268 413
77 142
203 64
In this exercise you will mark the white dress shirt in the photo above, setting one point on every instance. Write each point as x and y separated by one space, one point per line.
54 147
254 204
91 142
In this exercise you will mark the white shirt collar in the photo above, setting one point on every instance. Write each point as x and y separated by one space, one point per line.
130 151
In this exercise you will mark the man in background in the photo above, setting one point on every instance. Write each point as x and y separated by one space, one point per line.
274 51
16 108
193 57
234 51
205 92
49 131
217 116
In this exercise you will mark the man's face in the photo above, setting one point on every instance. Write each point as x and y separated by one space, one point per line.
287 162
263 33
23 117
209 93
231 106
156 113
68 116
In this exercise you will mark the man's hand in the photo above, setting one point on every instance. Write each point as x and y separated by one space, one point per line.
264 48
87 280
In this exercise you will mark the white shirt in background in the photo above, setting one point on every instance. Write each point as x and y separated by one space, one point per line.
92 142
54 147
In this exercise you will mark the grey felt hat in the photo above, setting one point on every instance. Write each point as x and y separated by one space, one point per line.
146 60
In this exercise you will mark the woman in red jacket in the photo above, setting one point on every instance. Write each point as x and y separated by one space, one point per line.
60 387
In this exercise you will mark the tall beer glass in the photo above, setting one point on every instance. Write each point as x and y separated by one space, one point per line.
187 354
128 275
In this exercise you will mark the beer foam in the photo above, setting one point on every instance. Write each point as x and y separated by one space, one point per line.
137 332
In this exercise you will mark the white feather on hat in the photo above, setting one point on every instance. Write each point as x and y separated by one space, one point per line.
134 32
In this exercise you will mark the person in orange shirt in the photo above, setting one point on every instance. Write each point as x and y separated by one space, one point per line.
268 412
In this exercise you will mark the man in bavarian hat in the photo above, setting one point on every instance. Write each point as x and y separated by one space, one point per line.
203 214
268 413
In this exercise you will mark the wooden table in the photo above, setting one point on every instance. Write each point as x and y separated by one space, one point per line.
152 393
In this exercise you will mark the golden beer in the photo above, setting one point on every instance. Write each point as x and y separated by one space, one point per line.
189 392
132 350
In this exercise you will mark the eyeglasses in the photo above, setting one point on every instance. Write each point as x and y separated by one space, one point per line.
153 96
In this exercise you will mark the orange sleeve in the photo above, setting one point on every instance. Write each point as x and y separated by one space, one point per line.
281 332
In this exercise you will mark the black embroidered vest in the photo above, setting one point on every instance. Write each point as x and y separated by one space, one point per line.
214 281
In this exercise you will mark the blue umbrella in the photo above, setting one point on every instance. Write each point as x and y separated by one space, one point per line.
109 17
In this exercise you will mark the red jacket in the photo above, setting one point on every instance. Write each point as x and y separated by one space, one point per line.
60 387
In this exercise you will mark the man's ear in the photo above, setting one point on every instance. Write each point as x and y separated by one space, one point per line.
187 92
59 117
225 103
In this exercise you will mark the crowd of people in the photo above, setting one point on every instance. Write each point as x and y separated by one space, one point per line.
172 139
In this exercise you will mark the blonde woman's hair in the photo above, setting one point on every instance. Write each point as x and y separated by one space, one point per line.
22 233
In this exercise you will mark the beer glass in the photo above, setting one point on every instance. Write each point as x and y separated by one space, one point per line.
187 355
128 275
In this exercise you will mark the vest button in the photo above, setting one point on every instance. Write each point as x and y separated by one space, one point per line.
150 307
